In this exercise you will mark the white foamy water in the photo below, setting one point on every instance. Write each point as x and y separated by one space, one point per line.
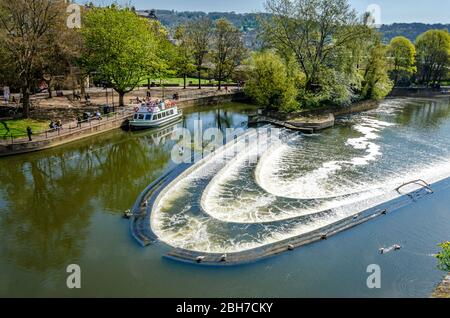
300 185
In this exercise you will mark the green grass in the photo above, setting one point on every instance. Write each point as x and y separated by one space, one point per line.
18 127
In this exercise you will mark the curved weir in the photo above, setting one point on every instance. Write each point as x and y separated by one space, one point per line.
237 206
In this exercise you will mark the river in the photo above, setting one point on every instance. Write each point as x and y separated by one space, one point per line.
64 205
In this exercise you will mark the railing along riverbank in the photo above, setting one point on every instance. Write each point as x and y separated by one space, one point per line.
18 144
11 145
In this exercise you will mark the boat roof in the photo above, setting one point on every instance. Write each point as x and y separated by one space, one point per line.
150 109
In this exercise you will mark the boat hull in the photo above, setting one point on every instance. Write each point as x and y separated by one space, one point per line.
148 124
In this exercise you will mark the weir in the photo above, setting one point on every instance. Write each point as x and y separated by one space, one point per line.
228 209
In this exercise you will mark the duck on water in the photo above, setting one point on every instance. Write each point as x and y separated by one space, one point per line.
155 114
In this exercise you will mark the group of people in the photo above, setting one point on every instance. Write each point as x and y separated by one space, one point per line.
56 125
77 96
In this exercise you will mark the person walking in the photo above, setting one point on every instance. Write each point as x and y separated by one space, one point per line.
29 133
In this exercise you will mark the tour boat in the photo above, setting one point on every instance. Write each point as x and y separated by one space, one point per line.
154 115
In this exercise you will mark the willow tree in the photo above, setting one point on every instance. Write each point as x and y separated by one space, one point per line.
269 83
120 47
402 58
320 34
433 56
228 50
376 84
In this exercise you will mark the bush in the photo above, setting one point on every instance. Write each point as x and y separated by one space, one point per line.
269 83
444 257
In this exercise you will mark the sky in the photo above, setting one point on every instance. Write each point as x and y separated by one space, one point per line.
427 11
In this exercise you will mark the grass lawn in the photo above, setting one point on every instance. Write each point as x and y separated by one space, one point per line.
18 127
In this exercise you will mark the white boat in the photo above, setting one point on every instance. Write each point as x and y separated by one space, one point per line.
153 116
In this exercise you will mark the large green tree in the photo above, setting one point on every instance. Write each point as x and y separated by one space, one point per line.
376 83
319 33
184 59
228 50
200 33
269 84
433 56
121 47
402 58
28 29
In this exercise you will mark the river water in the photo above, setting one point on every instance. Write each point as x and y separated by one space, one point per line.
63 206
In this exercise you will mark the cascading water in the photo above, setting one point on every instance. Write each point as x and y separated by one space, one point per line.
236 201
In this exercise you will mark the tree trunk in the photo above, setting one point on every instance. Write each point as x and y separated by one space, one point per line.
82 87
26 102
220 85
185 79
121 99
50 89
199 80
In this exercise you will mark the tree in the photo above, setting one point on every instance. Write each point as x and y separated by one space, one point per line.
26 29
184 60
402 58
376 84
316 32
121 47
433 56
444 257
228 50
269 84
199 33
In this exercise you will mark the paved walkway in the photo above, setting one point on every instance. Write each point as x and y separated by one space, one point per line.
72 131
70 127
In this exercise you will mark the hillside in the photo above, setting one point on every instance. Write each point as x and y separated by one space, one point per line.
248 23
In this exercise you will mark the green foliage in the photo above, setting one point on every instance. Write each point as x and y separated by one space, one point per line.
328 42
433 56
376 84
199 33
184 59
269 84
444 257
121 47
402 59
228 49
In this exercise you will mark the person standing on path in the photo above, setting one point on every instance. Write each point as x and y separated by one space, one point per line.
29 133
6 128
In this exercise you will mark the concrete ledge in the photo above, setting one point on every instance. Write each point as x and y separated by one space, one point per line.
418 92
76 134
443 290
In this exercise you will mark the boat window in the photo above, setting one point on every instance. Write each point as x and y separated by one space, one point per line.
136 116
155 117
164 114
141 116
159 116
171 112
148 117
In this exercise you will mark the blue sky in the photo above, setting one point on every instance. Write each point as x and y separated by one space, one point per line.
429 11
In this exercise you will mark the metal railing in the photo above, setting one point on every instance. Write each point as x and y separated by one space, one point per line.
66 129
